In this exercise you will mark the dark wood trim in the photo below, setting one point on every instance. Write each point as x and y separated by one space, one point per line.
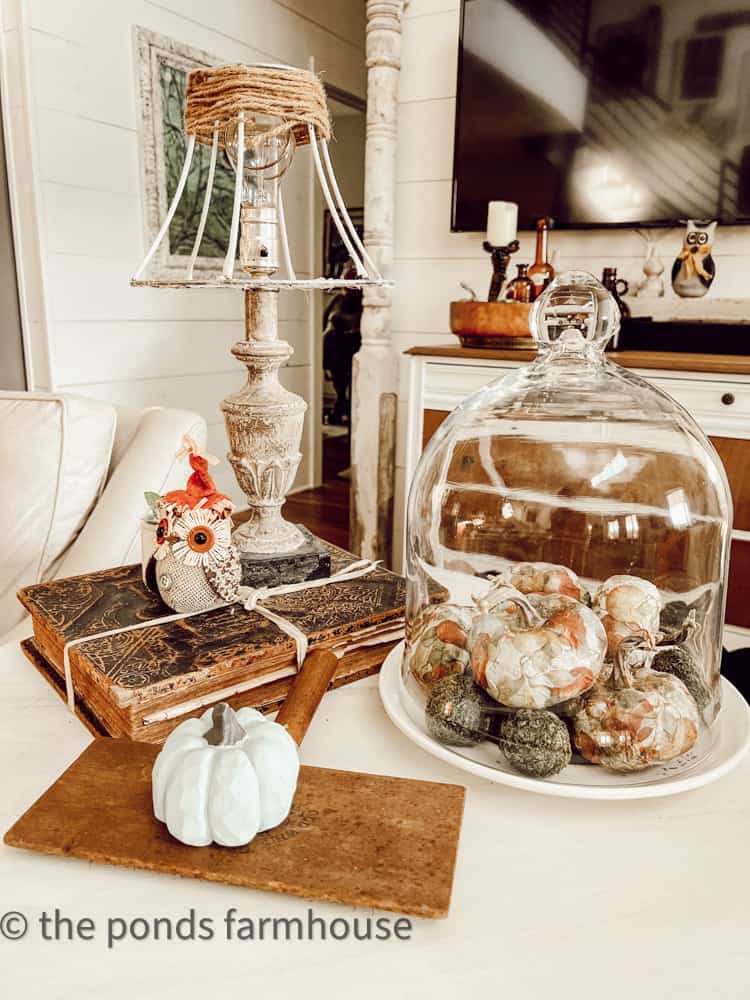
735 456
335 93
722 364
431 420
738 590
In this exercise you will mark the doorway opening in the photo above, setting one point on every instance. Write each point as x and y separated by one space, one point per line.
341 311
335 322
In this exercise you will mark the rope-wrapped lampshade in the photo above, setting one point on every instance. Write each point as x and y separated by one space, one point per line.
256 115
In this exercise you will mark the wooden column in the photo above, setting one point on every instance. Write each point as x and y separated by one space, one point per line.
375 371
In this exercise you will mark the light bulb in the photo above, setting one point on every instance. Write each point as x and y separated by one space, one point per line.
267 154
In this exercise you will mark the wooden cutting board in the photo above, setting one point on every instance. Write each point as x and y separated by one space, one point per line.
359 839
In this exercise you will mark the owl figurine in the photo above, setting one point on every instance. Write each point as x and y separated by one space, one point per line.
196 566
694 270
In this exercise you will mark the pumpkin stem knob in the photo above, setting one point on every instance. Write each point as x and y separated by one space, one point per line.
496 597
226 729
630 644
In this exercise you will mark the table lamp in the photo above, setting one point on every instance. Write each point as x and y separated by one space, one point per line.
257 116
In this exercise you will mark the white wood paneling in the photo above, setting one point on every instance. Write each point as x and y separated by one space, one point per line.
90 81
418 8
201 393
176 348
429 57
86 153
343 18
172 348
86 222
280 32
97 288
432 157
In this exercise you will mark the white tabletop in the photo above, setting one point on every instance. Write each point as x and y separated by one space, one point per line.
552 898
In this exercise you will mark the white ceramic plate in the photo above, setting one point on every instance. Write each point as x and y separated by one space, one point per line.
717 751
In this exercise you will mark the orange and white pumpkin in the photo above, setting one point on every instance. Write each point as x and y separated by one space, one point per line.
548 578
627 606
437 643
635 720
537 650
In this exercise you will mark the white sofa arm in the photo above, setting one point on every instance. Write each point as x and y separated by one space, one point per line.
111 535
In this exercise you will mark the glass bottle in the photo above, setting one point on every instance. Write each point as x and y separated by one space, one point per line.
541 271
521 288
617 287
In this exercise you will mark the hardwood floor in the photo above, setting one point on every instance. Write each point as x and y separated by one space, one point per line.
325 510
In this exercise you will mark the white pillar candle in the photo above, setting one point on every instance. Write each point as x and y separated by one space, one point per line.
502 222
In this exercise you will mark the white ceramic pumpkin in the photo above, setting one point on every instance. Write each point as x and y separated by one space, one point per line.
225 777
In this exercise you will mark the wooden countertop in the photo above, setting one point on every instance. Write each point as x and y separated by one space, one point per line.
726 364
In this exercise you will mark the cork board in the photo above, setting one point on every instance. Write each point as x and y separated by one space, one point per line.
359 839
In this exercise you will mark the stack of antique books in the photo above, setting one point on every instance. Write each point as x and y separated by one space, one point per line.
141 683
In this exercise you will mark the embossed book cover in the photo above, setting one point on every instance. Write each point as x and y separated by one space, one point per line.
142 683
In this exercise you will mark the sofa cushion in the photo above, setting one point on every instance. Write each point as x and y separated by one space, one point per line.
55 453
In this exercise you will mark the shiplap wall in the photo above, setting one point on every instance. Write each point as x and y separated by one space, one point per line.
71 84
430 261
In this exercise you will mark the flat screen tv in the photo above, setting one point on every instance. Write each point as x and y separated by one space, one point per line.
602 113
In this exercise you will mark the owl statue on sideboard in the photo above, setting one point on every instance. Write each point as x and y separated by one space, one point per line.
694 270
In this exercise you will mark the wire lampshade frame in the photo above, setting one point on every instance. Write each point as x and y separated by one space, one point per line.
366 271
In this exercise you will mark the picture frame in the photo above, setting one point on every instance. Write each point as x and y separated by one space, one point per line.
163 65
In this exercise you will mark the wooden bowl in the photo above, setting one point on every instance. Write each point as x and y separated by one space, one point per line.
492 324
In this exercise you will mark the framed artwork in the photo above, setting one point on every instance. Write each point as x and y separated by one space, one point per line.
163 66
335 254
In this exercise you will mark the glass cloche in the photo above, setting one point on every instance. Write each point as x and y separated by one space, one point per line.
568 540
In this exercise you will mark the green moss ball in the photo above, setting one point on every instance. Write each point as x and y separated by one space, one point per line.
456 711
676 660
535 742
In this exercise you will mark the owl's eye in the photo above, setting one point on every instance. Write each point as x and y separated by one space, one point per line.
702 238
692 238
201 539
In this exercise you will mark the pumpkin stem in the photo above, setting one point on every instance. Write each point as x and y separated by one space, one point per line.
226 729
498 596
621 675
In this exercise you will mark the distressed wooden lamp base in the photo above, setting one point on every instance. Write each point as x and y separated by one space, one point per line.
264 424
310 561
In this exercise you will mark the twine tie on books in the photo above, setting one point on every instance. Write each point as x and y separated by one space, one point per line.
250 599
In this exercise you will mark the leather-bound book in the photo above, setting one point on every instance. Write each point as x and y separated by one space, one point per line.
141 683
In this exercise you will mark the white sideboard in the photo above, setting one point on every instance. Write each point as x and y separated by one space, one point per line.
714 388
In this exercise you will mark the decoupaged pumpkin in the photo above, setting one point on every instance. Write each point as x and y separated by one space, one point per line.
438 643
535 651
225 777
636 718
627 606
548 578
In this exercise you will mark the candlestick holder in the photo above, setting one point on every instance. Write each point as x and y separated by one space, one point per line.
500 257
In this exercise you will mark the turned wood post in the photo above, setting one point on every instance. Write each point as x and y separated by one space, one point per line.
375 369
